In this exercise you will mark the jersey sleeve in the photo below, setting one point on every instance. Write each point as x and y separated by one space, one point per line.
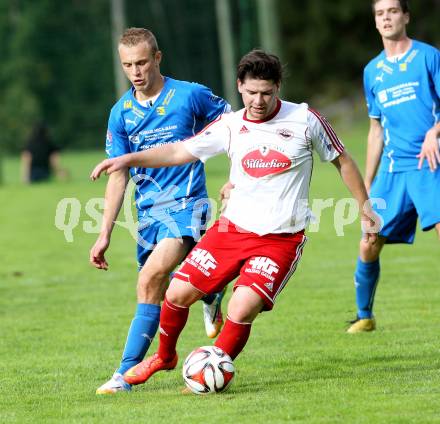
211 141
116 143
370 98
207 106
323 137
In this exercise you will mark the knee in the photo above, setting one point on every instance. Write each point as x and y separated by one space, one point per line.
176 297
182 294
239 314
243 312
151 286
368 251
152 278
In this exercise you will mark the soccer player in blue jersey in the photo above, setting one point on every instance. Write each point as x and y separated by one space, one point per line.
171 202
402 89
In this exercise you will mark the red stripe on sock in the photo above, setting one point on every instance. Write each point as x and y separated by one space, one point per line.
233 337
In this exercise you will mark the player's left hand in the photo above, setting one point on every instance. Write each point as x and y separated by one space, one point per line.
108 166
430 151
225 193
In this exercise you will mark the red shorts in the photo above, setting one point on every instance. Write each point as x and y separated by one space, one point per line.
263 263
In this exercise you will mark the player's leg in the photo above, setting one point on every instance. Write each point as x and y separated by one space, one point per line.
207 269
174 314
243 308
152 283
366 278
191 223
212 313
144 323
392 202
262 278
212 303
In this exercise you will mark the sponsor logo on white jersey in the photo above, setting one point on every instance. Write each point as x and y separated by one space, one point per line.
265 161
202 260
285 133
264 266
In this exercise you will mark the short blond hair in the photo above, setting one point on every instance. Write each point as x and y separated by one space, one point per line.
134 36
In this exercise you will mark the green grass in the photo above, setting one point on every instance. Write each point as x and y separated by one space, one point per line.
63 324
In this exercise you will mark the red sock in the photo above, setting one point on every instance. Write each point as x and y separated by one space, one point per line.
172 320
233 337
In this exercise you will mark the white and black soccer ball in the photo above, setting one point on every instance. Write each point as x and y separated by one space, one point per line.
208 369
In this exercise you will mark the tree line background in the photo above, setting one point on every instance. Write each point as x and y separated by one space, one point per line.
56 58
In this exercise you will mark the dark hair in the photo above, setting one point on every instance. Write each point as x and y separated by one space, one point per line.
134 36
404 5
260 65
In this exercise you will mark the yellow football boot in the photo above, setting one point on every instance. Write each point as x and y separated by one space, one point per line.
362 325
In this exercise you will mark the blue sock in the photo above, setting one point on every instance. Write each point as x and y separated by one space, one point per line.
140 335
365 282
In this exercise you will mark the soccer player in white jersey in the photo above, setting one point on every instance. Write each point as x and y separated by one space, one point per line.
402 89
260 236
171 203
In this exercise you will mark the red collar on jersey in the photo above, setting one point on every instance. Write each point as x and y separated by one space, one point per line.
268 118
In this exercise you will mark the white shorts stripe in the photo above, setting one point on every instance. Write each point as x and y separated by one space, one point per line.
293 266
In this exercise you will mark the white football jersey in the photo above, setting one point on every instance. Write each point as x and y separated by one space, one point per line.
271 164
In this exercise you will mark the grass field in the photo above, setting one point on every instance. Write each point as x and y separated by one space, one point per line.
63 324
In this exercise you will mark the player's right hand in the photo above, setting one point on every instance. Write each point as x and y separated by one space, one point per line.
97 258
371 223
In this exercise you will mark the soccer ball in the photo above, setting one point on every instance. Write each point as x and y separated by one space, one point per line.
208 369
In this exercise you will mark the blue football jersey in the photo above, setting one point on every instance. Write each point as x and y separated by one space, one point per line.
405 97
181 110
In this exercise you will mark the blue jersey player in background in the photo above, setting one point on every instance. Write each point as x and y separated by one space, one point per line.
172 203
402 89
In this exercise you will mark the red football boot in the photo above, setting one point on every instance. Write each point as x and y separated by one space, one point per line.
141 372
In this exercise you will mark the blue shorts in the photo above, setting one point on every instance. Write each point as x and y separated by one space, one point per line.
407 195
190 223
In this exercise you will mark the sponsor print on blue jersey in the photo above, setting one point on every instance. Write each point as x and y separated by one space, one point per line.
405 96
181 110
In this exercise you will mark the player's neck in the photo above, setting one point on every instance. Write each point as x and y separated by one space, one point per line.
396 47
152 91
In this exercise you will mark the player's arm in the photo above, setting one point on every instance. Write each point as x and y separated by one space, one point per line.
374 151
158 157
430 148
114 196
352 178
